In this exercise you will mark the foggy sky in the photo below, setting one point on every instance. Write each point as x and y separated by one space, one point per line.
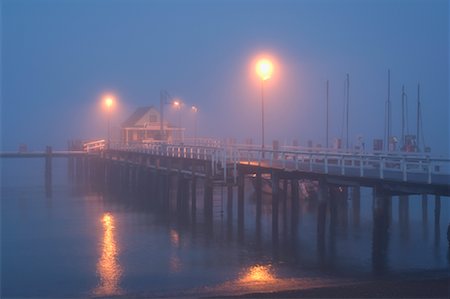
59 57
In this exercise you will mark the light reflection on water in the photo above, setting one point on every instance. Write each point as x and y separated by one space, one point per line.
108 267
258 274
175 263
261 278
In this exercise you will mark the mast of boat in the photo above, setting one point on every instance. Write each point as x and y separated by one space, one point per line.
347 108
388 114
326 135
418 120
403 116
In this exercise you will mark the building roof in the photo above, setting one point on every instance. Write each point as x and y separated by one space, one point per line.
136 116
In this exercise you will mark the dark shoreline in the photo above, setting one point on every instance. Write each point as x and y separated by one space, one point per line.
428 288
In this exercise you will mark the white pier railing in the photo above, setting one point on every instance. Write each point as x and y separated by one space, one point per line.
399 166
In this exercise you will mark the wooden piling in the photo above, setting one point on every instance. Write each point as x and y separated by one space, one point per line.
321 217
425 216
294 208
380 237
437 219
275 199
356 206
284 209
194 198
240 207
258 187
208 200
229 204
403 216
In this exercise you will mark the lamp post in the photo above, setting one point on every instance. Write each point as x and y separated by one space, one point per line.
109 103
177 105
264 70
195 110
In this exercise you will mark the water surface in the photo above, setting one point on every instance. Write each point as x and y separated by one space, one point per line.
84 242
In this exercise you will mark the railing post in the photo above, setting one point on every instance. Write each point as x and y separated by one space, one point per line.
342 165
429 171
296 161
310 162
326 163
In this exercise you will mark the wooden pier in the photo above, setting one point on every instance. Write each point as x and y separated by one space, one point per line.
152 169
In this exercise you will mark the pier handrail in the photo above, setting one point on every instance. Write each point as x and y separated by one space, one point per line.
95 145
398 165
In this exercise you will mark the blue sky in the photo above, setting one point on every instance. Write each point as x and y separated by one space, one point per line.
59 57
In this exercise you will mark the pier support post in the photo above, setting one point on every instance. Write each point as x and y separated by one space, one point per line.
275 199
437 220
294 208
321 218
380 235
208 201
425 216
337 201
403 216
230 209
284 211
180 193
164 191
194 198
356 205
258 190
240 207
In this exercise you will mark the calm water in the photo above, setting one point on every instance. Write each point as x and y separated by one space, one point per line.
82 243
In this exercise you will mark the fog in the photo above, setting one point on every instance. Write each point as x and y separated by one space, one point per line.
60 57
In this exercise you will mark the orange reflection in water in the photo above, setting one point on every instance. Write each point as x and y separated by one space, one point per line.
175 261
174 238
258 273
264 279
108 266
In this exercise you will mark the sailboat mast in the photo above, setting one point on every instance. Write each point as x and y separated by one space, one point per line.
418 120
326 141
388 108
403 116
348 100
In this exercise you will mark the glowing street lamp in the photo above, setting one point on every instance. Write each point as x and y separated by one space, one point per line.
195 110
109 102
264 69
